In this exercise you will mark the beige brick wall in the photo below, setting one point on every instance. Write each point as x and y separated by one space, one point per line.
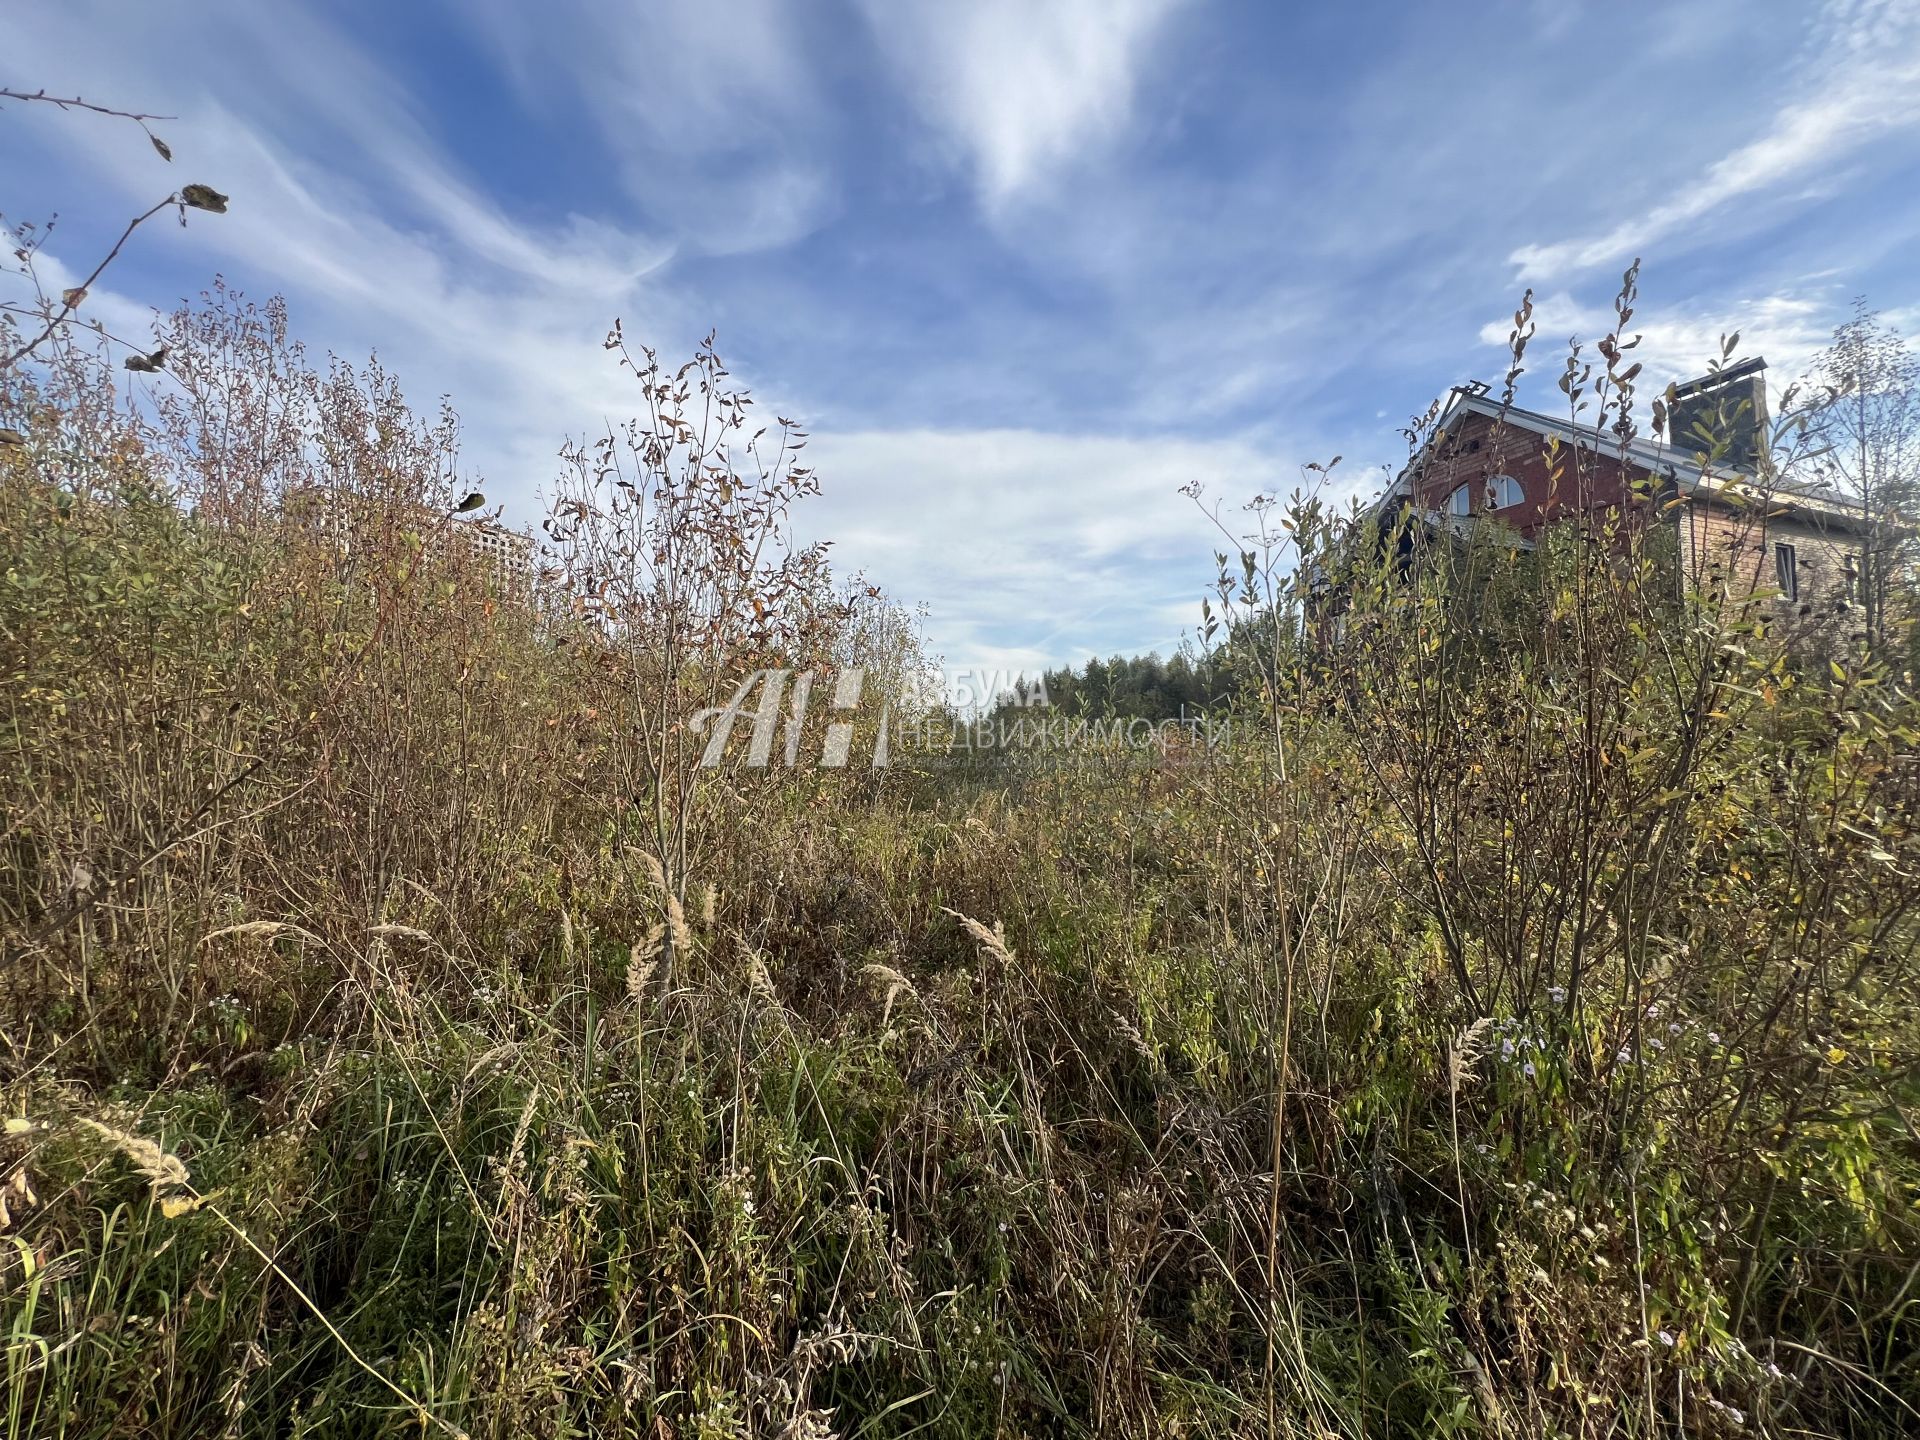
1731 552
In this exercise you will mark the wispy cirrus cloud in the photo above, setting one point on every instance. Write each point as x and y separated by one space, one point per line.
1020 90
344 201
1787 328
712 119
1859 81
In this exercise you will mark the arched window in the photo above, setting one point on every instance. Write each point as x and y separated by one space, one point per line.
1502 491
1496 492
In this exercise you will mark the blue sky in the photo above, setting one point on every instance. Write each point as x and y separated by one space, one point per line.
1024 267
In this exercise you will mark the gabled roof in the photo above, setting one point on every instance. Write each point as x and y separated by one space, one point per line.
1679 467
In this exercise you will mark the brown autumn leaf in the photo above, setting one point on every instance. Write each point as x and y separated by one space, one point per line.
71 298
203 197
166 152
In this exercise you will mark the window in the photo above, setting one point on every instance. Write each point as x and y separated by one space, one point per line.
1786 571
1496 492
1502 491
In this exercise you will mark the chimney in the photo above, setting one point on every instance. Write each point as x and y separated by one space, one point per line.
1730 406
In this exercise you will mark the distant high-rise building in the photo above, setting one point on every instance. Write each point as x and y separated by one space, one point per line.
351 522
508 554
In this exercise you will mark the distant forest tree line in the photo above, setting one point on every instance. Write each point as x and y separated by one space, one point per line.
1144 687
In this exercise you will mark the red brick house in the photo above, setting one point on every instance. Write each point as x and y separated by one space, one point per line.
1736 523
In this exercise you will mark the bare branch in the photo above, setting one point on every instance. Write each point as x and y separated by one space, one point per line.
76 103
138 117
72 297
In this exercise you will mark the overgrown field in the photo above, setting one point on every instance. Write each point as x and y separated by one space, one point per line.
1512 1033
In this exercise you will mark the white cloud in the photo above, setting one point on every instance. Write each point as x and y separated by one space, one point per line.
710 114
1676 343
343 203
1248 298
1021 89
1860 82
1029 547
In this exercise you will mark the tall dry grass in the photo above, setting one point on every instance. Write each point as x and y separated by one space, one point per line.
1514 1037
